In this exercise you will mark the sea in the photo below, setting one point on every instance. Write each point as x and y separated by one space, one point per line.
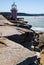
37 22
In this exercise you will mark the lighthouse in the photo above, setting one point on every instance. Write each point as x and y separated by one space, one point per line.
14 11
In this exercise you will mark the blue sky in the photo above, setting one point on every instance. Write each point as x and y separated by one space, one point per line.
26 6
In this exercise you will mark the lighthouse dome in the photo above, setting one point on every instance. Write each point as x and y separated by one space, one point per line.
14 7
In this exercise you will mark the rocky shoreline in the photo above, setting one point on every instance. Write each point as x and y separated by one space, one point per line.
18 41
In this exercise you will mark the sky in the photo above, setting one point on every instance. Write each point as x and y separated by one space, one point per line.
25 6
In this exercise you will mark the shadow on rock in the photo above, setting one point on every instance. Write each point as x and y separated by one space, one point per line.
28 61
20 40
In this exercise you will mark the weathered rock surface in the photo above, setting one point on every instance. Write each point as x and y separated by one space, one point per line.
15 53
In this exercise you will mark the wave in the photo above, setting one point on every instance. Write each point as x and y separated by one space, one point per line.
39 29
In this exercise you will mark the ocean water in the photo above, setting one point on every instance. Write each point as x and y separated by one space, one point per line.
37 22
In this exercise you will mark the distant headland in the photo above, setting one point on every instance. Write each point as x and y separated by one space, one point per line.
21 14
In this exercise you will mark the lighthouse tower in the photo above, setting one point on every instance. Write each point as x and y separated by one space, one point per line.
14 11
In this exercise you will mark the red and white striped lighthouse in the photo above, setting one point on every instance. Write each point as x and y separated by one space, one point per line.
14 11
